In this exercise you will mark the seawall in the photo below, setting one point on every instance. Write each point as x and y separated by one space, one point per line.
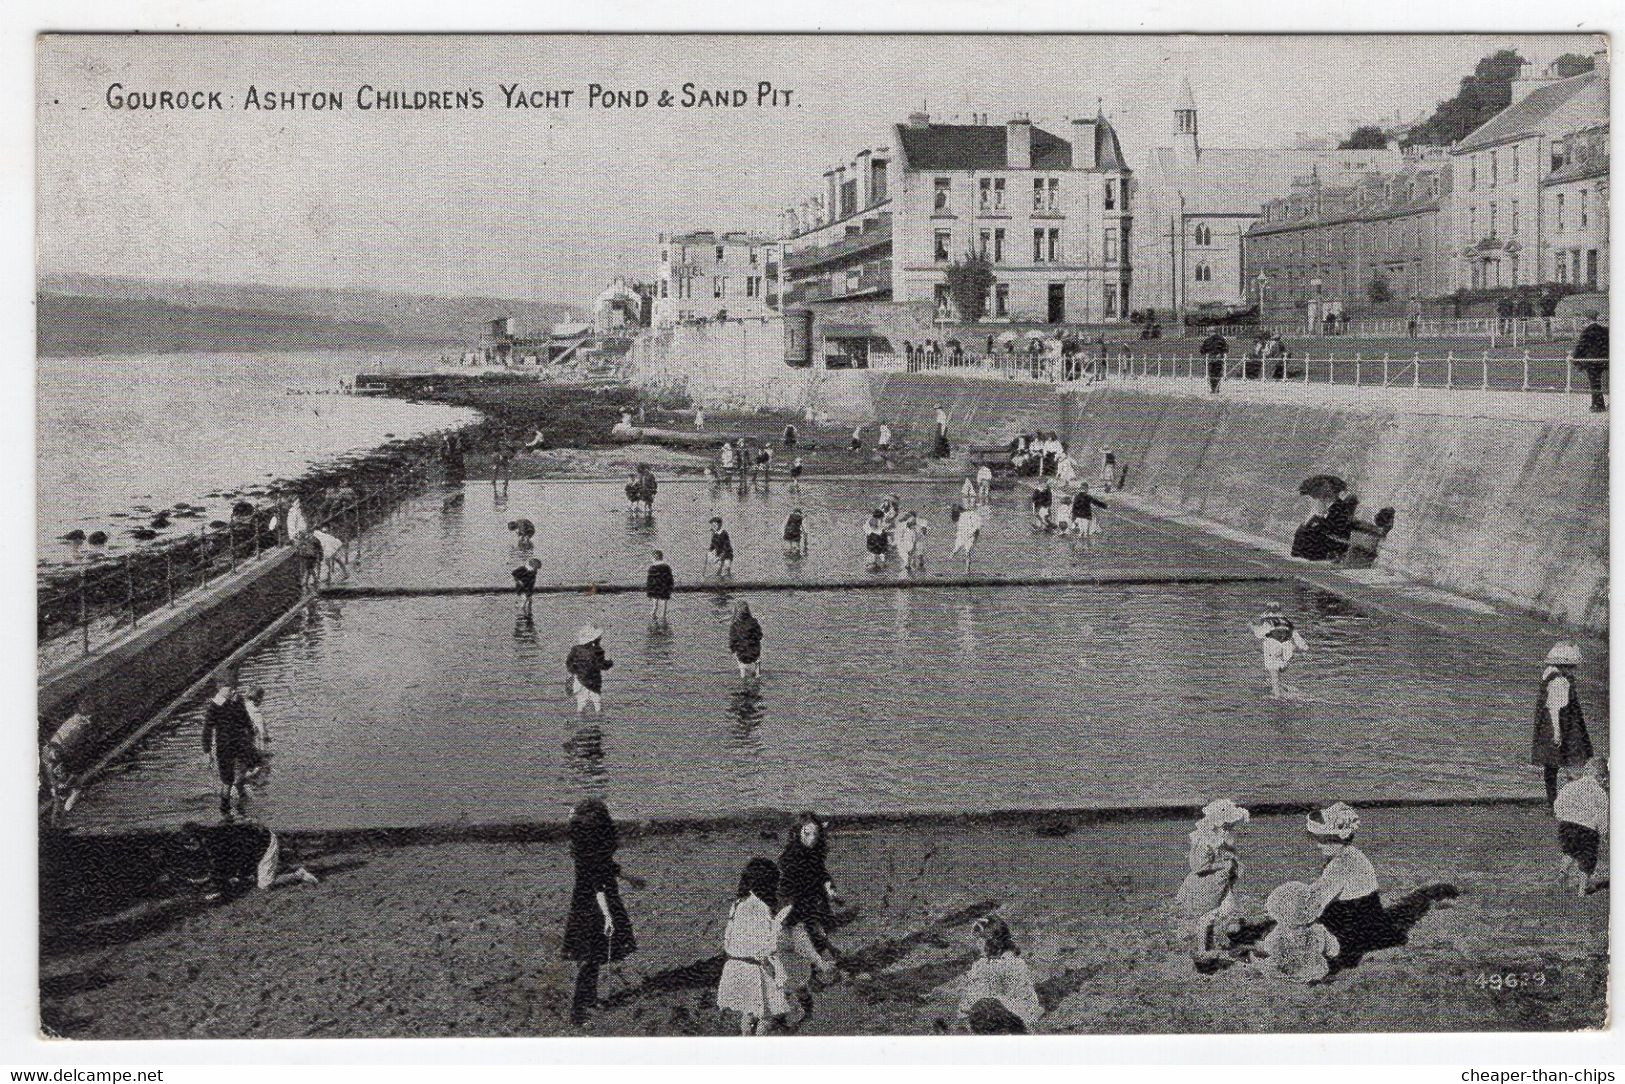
1509 510
129 680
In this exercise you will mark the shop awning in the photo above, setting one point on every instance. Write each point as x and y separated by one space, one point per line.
847 331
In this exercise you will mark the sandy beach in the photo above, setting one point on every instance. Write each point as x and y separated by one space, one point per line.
461 936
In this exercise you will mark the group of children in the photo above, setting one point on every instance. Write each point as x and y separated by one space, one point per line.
890 530
736 461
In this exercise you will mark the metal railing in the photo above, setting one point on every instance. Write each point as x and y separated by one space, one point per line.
1463 372
1496 331
101 599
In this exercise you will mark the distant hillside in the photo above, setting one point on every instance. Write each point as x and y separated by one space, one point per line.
209 315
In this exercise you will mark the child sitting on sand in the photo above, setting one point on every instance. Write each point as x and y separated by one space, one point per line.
1299 947
1208 894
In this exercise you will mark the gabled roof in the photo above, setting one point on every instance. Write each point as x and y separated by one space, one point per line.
1561 102
982 146
1239 181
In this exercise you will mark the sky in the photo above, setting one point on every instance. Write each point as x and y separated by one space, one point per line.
552 203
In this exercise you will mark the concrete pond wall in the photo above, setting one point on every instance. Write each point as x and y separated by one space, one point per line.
131 679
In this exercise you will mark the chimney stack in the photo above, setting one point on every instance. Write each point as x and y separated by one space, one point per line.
1018 143
1083 143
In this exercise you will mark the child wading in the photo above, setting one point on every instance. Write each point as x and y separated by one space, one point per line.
795 533
911 544
967 529
1280 640
1299 947
1043 499
874 539
753 977
1208 894
745 641
524 583
805 884
1581 810
1084 524
721 549
658 585
586 664
228 735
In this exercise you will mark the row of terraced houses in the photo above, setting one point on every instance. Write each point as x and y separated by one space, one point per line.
1076 234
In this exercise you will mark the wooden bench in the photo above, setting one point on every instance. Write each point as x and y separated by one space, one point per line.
996 457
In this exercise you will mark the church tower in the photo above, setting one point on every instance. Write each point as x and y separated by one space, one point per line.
1186 148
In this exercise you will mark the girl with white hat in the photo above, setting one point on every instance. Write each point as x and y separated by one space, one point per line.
1280 640
1346 892
1208 893
1560 738
586 664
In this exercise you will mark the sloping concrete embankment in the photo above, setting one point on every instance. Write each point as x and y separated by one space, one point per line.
129 680
1509 511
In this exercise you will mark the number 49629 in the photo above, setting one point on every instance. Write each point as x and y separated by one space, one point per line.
1511 980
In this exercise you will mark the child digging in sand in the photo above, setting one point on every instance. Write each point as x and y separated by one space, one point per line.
1299 947
1208 894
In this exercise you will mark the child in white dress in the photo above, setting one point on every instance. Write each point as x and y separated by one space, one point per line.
753 978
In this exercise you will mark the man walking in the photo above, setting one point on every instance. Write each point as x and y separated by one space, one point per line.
1215 349
1591 357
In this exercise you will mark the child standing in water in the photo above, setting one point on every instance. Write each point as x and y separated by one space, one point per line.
524 583
795 475
721 549
967 529
658 585
745 641
1084 524
874 538
1043 499
753 979
795 533
586 664
1208 896
910 535
1280 640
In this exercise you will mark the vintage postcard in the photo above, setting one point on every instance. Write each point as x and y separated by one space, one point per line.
771 535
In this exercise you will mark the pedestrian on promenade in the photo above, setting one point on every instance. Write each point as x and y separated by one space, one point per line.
805 884
745 640
524 583
999 996
586 663
753 977
1207 896
228 737
1299 948
721 549
333 552
1561 739
1215 349
64 754
874 539
967 529
223 861
598 929
1346 892
795 533
1581 810
526 532
309 552
1280 640
984 483
1591 356
658 585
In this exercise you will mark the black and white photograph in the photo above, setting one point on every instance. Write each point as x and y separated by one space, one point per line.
784 536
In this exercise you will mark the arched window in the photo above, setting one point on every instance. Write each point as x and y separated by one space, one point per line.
1204 235
1204 273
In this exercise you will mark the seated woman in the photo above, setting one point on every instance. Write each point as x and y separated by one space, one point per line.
1365 539
1346 891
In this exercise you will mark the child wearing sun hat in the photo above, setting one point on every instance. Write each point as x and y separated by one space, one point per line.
1299 947
1208 894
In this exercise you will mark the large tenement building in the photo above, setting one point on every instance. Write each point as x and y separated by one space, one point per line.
1051 214
705 275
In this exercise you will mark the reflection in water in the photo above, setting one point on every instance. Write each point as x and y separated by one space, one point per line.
584 760
902 606
965 625
746 708
524 628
